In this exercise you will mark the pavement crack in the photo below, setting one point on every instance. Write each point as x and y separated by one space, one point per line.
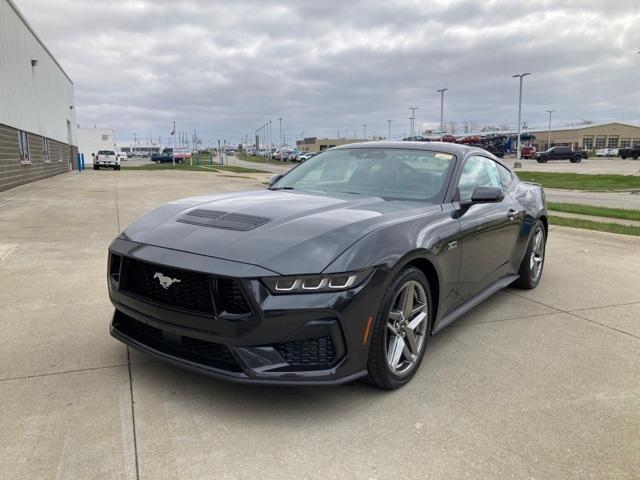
133 415
573 314
79 370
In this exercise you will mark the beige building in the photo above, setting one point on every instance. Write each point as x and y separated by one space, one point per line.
589 137
314 144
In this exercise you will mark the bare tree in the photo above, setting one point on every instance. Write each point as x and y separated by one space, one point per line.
453 127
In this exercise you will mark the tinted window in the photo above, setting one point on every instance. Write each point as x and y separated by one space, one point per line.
477 172
390 173
106 152
505 175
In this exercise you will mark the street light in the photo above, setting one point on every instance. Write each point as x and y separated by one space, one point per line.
364 130
442 90
389 134
549 137
280 141
520 76
413 119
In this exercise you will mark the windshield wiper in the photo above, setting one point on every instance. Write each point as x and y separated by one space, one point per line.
282 188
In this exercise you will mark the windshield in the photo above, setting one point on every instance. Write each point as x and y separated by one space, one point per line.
390 173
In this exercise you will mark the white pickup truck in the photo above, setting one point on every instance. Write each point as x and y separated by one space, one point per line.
106 158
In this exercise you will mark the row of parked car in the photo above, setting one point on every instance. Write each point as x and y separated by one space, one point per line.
283 154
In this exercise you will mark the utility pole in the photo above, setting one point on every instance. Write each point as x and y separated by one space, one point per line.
270 138
389 129
520 76
364 130
549 136
413 119
280 138
442 90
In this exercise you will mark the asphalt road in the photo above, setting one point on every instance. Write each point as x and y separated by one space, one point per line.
530 384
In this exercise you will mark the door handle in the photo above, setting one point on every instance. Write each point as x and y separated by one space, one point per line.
511 214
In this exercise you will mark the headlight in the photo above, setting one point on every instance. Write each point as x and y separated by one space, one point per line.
332 282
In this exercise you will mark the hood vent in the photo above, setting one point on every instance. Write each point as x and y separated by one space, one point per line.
226 220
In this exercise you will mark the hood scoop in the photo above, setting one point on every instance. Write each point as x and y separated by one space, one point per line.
225 220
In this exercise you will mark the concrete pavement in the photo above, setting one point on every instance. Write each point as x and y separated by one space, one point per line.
530 384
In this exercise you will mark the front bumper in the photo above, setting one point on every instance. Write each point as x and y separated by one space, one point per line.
304 339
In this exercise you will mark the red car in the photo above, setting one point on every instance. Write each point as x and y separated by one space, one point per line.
527 152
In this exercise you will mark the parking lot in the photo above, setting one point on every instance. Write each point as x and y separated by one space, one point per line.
531 384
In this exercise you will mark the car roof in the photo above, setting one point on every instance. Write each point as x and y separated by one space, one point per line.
444 147
460 151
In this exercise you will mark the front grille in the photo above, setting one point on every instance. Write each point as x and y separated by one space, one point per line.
184 289
193 349
318 352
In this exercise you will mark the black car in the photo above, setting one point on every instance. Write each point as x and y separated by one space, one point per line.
560 153
342 268
629 152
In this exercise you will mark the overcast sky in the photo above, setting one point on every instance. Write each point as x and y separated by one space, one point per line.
224 67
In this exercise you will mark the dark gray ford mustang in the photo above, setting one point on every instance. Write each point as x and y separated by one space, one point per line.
343 268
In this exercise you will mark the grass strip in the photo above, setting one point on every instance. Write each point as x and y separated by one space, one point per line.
591 225
581 181
622 213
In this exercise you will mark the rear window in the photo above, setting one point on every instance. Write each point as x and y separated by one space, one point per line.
106 152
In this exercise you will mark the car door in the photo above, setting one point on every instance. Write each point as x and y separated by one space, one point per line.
488 231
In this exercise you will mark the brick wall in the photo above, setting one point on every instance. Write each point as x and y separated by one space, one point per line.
14 173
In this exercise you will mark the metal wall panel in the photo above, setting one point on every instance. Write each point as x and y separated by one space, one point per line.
35 99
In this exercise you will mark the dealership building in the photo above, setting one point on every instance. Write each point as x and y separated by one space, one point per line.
314 144
588 137
37 115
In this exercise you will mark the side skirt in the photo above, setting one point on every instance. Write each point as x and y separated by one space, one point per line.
474 301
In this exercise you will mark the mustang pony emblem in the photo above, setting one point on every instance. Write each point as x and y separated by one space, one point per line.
165 281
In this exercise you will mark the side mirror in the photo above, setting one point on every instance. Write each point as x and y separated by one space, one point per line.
274 178
487 195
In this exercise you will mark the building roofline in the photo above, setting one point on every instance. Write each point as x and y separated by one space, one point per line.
15 8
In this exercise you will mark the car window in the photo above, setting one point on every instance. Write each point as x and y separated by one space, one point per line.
505 175
477 172
390 173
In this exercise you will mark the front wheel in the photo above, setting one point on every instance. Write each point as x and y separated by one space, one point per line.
533 262
401 330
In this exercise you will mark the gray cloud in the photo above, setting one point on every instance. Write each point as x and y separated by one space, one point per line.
224 67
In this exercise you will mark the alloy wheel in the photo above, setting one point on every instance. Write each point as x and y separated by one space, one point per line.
536 258
406 332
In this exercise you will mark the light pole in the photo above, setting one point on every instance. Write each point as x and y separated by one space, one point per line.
520 76
549 136
364 131
389 129
412 123
280 141
270 139
442 90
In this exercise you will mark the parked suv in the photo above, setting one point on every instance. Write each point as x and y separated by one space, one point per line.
106 158
630 152
561 153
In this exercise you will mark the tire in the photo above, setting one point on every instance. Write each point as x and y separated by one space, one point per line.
635 157
117 167
543 160
96 167
381 373
530 271
576 159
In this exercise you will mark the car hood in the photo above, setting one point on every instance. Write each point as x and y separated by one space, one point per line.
286 232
